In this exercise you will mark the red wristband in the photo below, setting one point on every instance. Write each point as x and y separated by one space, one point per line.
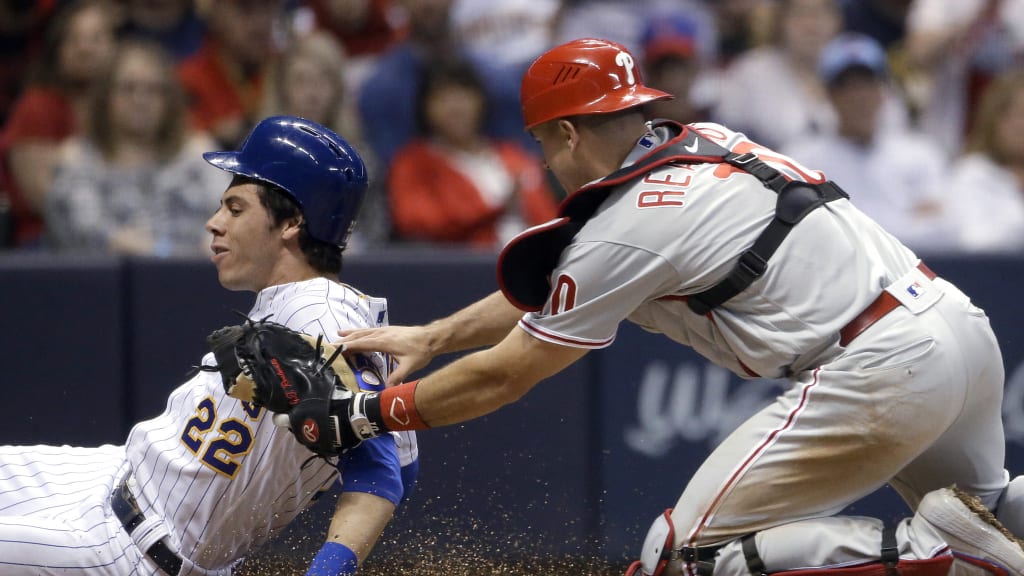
398 408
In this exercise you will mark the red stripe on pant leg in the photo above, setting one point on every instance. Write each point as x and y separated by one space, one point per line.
790 420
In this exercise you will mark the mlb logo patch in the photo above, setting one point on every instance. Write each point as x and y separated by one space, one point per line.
646 141
916 290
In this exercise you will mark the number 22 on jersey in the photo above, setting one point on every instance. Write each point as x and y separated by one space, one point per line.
219 445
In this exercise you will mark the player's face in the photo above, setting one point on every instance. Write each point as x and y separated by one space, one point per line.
246 245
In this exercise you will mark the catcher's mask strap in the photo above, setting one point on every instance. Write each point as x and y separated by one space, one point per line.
526 262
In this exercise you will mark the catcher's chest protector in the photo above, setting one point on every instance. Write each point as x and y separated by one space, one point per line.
525 264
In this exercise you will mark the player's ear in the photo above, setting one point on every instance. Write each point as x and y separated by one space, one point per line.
291 227
568 132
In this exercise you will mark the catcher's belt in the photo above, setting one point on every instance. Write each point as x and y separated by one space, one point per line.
875 311
128 512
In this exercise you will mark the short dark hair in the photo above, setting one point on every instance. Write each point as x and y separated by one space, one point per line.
325 258
444 72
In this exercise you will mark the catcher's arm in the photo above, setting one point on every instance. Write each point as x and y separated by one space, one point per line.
483 323
470 387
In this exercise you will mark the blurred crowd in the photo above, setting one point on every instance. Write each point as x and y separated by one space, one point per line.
915 107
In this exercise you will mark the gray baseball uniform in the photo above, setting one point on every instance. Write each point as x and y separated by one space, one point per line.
913 400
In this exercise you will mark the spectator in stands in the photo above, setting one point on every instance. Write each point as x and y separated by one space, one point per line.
504 37
361 26
986 188
387 100
894 175
741 26
507 34
454 185
773 93
308 81
365 29
77 50
623 20
174 24
135 181
671 63
22 27
959 47
224 80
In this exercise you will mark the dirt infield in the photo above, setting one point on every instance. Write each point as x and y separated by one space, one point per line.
447 555
448 566
432 539
443 552
431 560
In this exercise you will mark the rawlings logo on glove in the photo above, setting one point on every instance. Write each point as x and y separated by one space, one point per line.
294 375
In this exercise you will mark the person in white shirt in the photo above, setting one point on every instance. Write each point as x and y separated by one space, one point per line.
893 174
985 190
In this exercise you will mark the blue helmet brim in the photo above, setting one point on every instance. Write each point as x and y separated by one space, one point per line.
228 161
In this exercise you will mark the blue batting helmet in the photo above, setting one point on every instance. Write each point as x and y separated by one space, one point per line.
315 166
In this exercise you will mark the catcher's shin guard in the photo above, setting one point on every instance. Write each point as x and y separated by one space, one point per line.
889 563
829 546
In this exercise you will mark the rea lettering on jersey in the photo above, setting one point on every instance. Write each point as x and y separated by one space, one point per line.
670 192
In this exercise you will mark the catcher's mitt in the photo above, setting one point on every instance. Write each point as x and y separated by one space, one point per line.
289 373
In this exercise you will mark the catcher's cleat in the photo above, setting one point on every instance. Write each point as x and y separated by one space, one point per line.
980 543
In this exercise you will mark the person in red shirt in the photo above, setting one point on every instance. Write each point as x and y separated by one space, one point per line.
224 80
362 26
454 185
78 47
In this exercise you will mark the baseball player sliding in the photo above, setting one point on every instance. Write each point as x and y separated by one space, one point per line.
199 486
764 267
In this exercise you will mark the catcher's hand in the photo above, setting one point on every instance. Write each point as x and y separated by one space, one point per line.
290 374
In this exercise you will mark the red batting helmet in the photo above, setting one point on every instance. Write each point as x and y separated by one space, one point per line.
586 76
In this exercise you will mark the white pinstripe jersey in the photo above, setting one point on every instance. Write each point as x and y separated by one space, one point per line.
219 472
679 229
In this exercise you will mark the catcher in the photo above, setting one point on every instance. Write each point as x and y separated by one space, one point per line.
198 487
766 268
